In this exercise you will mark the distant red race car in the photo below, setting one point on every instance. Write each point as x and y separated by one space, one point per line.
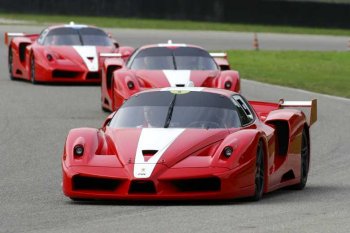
164 65
64 53
190 143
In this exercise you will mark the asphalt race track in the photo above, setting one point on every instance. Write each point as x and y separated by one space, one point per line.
35 119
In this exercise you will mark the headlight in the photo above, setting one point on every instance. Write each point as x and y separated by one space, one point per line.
228 85
49 57
131 85
228 151
78 150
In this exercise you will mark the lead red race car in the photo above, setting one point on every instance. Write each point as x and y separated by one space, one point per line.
190 143
62 53
163 65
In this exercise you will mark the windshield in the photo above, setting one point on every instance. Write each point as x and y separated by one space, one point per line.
77 36
168 110
172 58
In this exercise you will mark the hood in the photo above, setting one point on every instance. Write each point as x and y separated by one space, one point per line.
173 78
147 147
86 56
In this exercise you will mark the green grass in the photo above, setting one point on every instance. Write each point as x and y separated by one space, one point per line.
171 24
323 72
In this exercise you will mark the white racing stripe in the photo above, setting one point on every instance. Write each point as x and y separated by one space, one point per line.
178 77
158 139
89 56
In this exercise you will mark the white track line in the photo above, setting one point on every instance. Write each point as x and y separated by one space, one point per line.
295 89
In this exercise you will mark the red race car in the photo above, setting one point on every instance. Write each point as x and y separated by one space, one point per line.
64 53
164 65
190 143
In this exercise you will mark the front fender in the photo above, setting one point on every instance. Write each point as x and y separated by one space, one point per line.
229 76
88 138
121 90
244 144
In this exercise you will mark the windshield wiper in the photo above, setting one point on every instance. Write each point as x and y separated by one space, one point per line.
170 112
174 61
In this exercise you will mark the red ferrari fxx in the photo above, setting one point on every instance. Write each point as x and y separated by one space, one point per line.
190 143
164 65
63 53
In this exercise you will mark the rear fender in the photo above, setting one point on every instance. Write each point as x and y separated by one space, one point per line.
109 66
229 76
288 124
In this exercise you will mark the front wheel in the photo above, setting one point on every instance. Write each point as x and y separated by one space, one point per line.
32 70
10 63
259 173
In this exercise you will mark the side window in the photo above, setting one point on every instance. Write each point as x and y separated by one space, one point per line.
42 36
245 113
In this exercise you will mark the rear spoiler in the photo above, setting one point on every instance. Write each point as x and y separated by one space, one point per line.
302 104
218 55
9 35
117 55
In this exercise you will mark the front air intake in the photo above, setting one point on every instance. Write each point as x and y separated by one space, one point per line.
211 184
64 74
142 187
93 75
94 184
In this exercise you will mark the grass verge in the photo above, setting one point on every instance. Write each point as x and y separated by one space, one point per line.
323 72
170 24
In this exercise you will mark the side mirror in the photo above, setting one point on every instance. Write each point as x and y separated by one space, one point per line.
116 44
108 120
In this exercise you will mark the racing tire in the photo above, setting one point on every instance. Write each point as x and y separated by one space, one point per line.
32 70
259 173
304 163
10 63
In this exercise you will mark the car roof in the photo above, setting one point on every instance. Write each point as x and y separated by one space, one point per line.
71 25
169 44
180 90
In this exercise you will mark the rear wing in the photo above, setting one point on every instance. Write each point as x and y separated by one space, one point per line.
221 60
218 55
311 105
9 35
111 55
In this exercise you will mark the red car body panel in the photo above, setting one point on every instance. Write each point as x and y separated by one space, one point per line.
67 64
116 75
192 166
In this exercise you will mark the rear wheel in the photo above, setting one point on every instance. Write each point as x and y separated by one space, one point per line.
32 70
304 163
259 173
10 63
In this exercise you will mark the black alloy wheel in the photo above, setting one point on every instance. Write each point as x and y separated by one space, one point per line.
10 63
304 162
259 173
32 70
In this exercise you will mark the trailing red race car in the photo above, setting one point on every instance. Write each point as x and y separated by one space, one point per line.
164 65
64 53
190 143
